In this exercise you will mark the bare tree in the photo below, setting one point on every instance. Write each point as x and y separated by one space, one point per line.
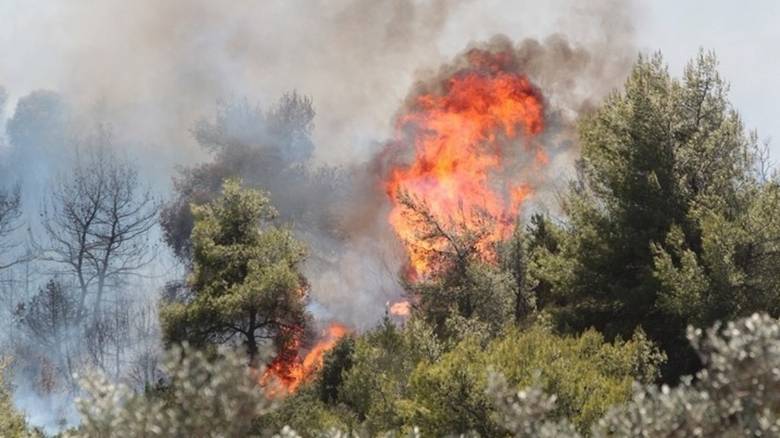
144 369
108 337
49 319
10 211
98 220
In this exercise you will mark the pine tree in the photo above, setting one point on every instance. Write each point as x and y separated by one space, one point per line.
245 282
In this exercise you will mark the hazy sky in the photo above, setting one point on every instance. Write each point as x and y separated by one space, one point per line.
744 35
197 51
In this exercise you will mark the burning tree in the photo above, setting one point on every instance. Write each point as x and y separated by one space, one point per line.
463 289
464 134
470 132
245 282
289 369
267 149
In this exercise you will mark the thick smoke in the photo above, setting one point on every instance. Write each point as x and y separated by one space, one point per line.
157 66
150 70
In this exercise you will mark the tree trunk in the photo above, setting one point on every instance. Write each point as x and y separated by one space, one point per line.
251 342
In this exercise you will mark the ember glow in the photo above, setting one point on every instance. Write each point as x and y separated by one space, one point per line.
463 136
289 369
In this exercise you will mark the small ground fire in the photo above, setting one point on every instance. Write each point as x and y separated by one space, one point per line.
289 369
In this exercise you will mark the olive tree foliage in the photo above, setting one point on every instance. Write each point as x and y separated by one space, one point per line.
670 221
245 284
735 395
97 221
205 398
526 413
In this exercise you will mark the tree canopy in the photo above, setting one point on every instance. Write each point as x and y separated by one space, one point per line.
668 222
245 282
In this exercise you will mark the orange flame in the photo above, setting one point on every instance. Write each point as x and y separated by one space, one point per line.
288 371
459 137
401 308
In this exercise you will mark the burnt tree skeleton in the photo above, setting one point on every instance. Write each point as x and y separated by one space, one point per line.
10 211
97 220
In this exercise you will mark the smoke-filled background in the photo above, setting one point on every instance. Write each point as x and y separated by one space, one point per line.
300 98
153 71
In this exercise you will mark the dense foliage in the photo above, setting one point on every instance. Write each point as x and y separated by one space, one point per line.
204 398
245 281
735 395
399 379
671 220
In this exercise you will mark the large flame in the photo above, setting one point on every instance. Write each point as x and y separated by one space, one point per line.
460 136
289 369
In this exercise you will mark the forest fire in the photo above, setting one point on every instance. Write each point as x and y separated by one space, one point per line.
285 374
463 135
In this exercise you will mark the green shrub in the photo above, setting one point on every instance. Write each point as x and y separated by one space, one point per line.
12 423
586 374
205 398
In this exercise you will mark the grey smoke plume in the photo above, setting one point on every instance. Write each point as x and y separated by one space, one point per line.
157 66
153 67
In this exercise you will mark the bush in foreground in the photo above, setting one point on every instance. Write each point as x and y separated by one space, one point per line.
737 394
205 398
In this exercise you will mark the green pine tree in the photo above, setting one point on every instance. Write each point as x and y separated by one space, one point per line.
245 284
669 222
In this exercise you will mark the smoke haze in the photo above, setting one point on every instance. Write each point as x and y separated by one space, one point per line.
154 67
151 69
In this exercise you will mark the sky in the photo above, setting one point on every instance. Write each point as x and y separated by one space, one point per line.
746 38
191 52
